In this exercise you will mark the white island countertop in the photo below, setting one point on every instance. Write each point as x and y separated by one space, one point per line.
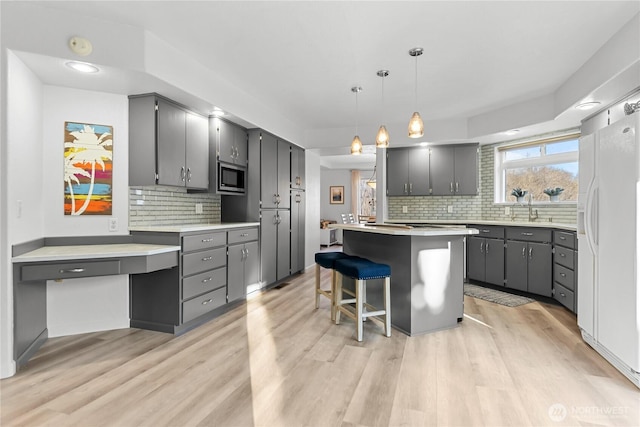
75 252
406 230
187 228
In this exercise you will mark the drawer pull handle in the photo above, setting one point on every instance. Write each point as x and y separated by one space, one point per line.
208 279
527 234
563 238
563 275
562 255
207 301
244 235
562 295
484 231
72 270
208 258
207 240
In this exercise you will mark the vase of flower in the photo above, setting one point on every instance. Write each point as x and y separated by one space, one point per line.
553 193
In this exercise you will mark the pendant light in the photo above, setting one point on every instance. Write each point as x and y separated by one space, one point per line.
416 126
356 144
382 138
372 181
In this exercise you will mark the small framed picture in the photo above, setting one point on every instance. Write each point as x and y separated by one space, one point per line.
336 195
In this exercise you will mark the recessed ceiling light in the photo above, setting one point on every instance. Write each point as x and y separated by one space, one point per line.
217 112
423 144
512 132
83 67
587 105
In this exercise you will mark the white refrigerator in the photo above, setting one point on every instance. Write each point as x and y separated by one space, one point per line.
609 243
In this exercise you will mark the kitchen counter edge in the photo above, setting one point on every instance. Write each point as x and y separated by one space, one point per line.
555 225
187 228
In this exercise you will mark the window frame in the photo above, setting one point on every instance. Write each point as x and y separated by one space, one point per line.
501 165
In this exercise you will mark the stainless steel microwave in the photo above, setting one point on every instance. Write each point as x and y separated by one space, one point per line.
232 179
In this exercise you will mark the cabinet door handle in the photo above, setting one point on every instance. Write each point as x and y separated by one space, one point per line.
405 188
524 252
530 253
562 255
275 198
457 187
207 301
563 275
207 258
562 295
486 247
451 187
182 173
410 187
481 247
563 238
188 174
208 279
527 234
72 270
207 240
244 235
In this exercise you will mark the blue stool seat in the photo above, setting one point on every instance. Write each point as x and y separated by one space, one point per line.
326 260
362 270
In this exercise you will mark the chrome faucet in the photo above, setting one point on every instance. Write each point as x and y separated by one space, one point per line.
533 213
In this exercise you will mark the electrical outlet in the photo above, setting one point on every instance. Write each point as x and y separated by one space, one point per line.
404 209
113 224
450 209
507 210
198 208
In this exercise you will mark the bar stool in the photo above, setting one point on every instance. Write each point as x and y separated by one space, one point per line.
326 260
362 270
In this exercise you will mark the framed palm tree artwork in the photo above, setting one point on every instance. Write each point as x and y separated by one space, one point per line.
88 164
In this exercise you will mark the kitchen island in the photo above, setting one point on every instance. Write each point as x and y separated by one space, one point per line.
427 271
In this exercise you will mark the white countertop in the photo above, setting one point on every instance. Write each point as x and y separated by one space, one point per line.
73 252
538 224
402 230
185 228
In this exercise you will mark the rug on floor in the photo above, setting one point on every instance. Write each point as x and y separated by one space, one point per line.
493 295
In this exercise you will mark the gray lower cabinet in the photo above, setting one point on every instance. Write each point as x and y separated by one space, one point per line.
485 260
297 231
529 260
275 249
565 268
243 262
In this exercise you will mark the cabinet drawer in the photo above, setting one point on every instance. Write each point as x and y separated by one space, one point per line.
69 270
564 276
204 260
203 282
564 256
489 231
204 241
529 234
203 304
565 238
564 296
243 235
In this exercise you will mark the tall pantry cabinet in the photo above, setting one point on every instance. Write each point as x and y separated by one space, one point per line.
275 198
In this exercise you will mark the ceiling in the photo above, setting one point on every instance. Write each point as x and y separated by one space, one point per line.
299 60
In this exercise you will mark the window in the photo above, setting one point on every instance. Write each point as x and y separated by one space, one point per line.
536 165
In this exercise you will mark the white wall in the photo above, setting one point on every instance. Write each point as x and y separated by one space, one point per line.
22 177
84 305
312 208
332 177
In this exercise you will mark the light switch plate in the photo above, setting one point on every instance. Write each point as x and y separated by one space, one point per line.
198 208
404 209
113 224
450 209
507 210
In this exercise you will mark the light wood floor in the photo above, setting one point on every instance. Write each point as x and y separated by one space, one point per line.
275 361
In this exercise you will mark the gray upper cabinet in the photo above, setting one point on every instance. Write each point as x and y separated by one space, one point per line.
231 142
168 145
454 170
275 172
408 172
297 230
297 168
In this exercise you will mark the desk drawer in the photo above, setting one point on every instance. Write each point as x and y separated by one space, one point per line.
564 276
69 270
203 282
243 235
564 256
198 242
203 261
529 234
203 304
564 296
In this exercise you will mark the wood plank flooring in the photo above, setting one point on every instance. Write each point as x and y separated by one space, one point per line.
275 361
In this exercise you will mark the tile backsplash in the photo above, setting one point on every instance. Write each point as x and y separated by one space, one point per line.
158 205
480 207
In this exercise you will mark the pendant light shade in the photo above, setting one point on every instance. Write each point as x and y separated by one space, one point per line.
416 126
356 144
382 137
